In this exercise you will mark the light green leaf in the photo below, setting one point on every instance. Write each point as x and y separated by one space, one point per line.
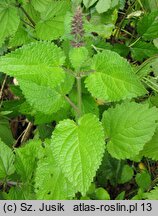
40 5
139 195
62 113
122 4
152 195
45 99
129 126
26 159
104 31
34 14
102 194
88 3
37 68
148 25
9 20
78 56
50 183
78 149
153 4
53 28
121 196
102 24
38 62
52 20
102 6
143 180
21 37
150 149
6 161
114 3
113 81
22 192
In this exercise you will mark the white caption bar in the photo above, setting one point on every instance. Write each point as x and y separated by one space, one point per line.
80 207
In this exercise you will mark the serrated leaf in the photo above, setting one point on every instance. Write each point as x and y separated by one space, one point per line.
129 126
77 57
78 149
9 20
148 25
50 183
150 149
102 6
61 114
113 81
41 98
142 50
22 192
45 99
52 20
38 62
6 161
26 159
47 109
152 195
21 37
42 80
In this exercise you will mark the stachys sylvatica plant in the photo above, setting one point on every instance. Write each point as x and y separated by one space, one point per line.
95 101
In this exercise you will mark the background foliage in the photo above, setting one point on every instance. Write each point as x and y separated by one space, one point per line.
78 99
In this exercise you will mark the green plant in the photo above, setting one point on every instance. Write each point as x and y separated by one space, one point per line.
91 113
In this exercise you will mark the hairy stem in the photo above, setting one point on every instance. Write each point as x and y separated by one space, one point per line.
79 92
